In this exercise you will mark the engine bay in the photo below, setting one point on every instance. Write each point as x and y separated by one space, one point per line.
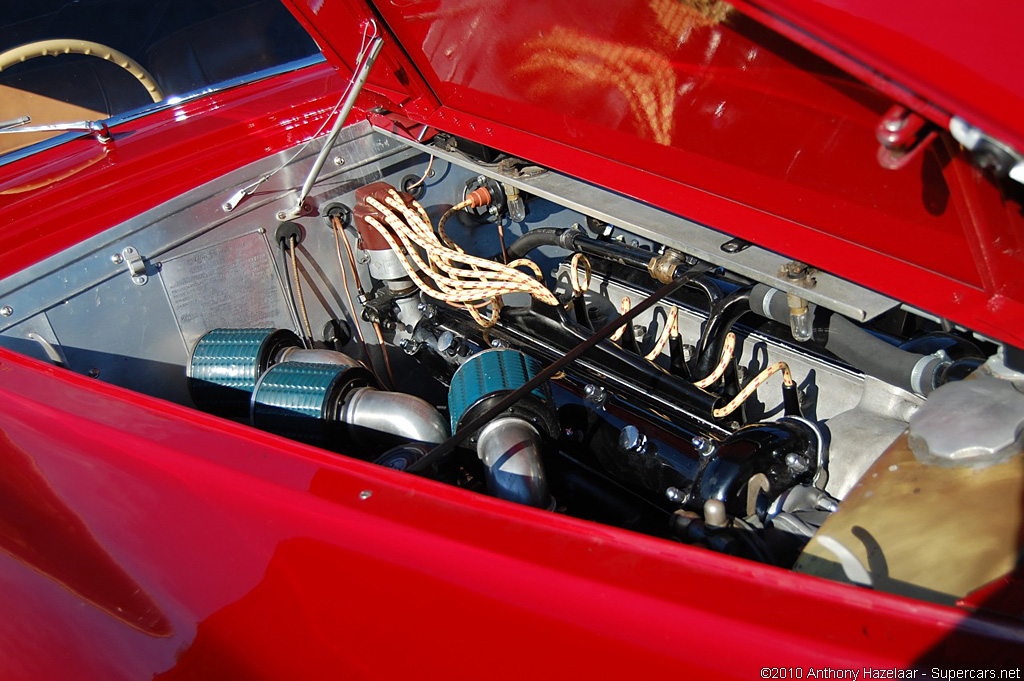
446 310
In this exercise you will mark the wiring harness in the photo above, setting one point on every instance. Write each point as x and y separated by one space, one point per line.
442 269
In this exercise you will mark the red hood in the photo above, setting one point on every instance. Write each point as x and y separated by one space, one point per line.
733 119
942 58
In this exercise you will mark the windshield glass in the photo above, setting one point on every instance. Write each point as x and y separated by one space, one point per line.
64 61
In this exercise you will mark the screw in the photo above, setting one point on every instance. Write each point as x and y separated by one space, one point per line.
365 494
282 216
498 343
117 259
675 495
93 373
703 445
6 310
404 343
339 161
493 210
140 280
261 230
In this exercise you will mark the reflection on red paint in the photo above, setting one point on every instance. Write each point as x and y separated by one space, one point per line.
38 529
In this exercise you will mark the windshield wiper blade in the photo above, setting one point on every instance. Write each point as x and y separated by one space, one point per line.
98 129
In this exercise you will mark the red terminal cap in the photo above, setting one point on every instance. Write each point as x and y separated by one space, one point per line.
479 197
372 239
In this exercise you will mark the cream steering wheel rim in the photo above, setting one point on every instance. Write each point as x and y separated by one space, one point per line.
59 46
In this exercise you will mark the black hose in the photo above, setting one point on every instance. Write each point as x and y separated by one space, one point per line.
575 240
612 251
540 236
872 355
724 314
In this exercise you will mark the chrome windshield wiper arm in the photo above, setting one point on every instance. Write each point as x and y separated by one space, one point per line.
14 122
98 129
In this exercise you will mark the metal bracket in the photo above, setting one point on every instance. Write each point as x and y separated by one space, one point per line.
903 135
988 152
136 265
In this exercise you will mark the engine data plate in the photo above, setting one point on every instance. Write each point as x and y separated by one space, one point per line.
232 284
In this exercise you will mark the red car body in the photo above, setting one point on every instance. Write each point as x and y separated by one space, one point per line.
139 538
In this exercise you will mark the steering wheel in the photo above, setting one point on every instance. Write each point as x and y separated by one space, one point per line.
59 46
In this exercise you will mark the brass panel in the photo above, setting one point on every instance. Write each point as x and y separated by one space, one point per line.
930 532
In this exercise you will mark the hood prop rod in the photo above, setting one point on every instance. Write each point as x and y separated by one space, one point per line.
355 87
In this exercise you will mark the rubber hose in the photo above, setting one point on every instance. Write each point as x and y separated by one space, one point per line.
541 236
910 371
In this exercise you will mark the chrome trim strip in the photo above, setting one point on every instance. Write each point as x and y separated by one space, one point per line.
173 100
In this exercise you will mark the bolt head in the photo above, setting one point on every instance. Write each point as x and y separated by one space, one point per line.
595 394
703 445
365 494
446 342
339 161
6 310
826 504
894 124
796 463
675 495
632 440
117 258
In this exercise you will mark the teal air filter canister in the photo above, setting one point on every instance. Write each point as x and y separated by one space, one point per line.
488 376
303 401
226 363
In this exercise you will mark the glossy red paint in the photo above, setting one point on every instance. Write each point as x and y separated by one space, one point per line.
943 57
212 550
727 123
265 558
55 198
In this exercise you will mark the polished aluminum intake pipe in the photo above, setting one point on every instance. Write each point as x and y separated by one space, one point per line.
510 449
399 414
